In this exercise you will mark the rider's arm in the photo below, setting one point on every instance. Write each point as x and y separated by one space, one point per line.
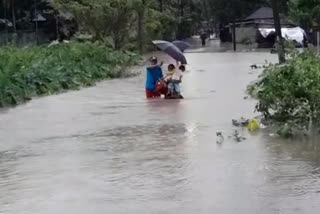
157 65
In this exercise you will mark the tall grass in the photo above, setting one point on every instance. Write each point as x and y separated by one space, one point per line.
36 71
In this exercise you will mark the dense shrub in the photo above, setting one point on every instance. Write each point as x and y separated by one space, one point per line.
39 71
289 94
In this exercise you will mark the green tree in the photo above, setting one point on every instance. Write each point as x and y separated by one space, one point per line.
111 18
306 12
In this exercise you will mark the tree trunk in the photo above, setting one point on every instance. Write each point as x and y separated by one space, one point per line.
6 24
13 16
181 8
140 30
277 23
161 5
141 14
180 30
36 21
57 25
14 36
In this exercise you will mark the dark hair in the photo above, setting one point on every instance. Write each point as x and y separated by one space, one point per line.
171 67
153 60
182 68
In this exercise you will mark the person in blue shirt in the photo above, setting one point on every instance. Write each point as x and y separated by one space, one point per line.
154 74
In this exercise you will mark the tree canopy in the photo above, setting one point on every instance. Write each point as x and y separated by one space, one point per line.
306 12
129 21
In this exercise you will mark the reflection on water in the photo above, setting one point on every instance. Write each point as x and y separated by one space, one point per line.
293 168
107 150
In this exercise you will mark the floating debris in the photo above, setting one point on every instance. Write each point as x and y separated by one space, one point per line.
262 126
220 138
254 66
238 137
242 122
253 125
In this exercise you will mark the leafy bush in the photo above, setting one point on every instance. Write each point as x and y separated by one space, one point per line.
39 71
289 94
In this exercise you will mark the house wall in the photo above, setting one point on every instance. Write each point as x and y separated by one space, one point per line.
246 33
23 38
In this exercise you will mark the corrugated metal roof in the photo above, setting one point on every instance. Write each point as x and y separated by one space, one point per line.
262 13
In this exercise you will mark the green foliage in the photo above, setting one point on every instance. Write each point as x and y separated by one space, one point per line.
119 19
123 21
305 12
289 94
160 25
36 71
114 18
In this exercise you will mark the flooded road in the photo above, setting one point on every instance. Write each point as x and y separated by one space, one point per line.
108 150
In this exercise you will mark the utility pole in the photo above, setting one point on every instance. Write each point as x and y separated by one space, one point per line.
234 36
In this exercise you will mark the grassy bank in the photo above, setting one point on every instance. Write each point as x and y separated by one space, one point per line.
36 71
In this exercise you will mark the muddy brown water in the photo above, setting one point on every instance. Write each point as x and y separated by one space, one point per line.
106 149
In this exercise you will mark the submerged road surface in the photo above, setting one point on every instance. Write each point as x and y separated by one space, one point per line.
106 149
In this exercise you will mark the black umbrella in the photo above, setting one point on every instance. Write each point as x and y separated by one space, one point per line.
171 50
181 45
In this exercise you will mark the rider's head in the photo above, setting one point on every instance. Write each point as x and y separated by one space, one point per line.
171 67
182 68
153 60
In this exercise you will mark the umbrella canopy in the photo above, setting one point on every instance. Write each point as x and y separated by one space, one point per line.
181 45
171 50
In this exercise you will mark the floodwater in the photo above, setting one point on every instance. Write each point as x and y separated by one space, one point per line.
106 149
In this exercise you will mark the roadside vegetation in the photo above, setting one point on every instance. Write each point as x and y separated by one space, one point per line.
106 37
36 71
289 93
